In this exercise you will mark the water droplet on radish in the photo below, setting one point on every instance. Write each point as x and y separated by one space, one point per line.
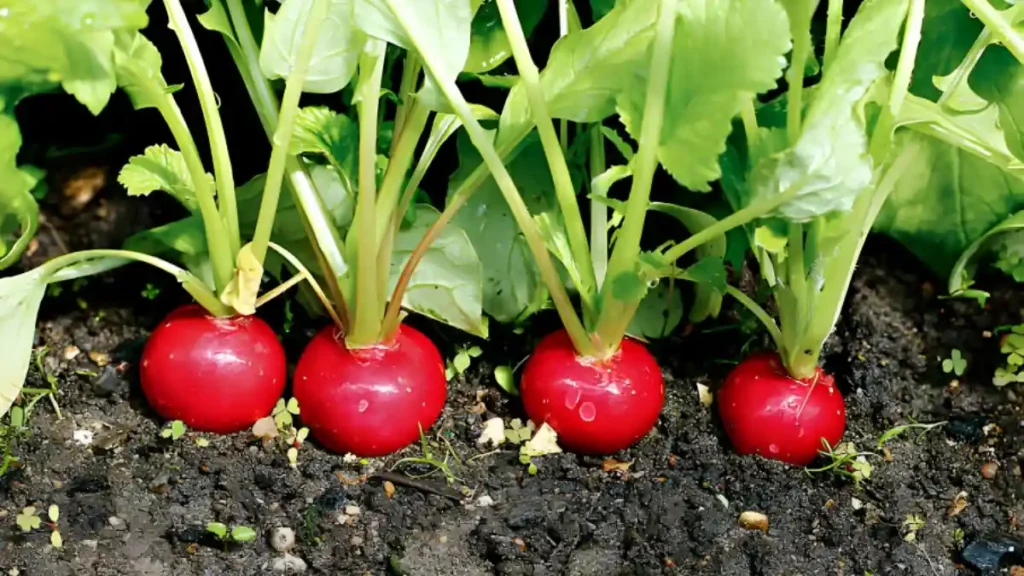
171 357
572 398
363 405
773 448
800 433
588 412
409 390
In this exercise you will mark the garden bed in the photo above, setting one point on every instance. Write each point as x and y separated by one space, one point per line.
132 502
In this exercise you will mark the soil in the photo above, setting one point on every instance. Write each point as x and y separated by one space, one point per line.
132 502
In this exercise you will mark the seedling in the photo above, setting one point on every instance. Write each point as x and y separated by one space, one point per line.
543 442
234 534
38 393
432 462
956 363
461 361
174 430
503 375
28 520
150 292
846 461
281 425
516 433
1011 345
913 523
898 430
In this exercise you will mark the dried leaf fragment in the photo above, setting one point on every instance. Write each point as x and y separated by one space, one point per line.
389 489
705 395
265 428
958 504
613 465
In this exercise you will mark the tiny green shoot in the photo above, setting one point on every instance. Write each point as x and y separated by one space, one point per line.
174 430
898 430
28 520
956 363
459 363
150 292
236 534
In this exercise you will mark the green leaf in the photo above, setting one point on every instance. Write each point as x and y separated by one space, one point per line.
217 529
830 165
723 51
20 297
999 78
19 213
28 520
336 53
320 130
601 8
66 42
438 31
659 312
503 376
461 362
243 534
708 299
947 33
946 202
160 168
709 270
137 67
512 288
489 45
447 283
585 71
628 286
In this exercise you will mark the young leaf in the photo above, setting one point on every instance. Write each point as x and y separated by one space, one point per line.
489 46
20 297
707 298
511 287
243 534
320 130
137 67
999 78
217 529
724 51
659 313
947 33
829 165
503 376
447 284
334 57
160 168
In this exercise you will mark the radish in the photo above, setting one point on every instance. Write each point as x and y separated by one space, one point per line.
235 365
370 401
768 412
596 407
782 405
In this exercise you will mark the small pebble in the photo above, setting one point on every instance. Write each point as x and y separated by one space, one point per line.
856 503
351 510
989 469
90 544
356 541
485 501
115 522
754 521
71 352
282 539
98 358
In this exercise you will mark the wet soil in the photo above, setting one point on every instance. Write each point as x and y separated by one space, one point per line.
132 502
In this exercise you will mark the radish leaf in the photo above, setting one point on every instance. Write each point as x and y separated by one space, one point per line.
320 130
337 49
489 46
160 168
20 297
137 65
724 51
659 313
447 283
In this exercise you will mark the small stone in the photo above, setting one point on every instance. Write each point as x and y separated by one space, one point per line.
351 510
1016 570
991 553
115 522
485 501
282 539
856 503
82 437
160 484
107 383
754 521
98 358
343 519
989 469
289 563
90 544
356 541
71 352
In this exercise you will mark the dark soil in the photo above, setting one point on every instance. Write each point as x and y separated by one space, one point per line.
132 502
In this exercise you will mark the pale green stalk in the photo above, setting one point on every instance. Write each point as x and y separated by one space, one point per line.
833 31
598 210
565 192
283 135
214 126
1000 25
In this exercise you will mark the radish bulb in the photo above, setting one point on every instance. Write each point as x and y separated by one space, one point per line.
768 412
369 401
595 407
216 375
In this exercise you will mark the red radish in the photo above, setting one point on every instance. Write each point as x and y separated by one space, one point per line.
369 401
596 408
768 412
214 374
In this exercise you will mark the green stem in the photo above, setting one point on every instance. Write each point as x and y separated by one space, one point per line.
563 29
613 322
410 76
221 257
795 266
367 322
881 140
963 71
398 166
738 218
1002 27
795 79
283 135
833 31
324 237
214 126
759 312
598 210
564 189
193 285
749 116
